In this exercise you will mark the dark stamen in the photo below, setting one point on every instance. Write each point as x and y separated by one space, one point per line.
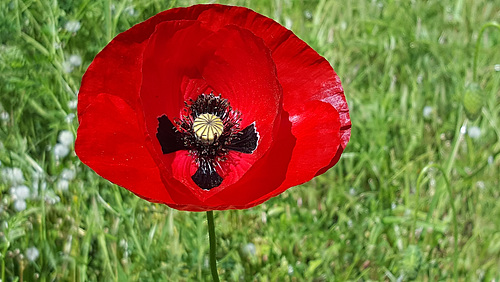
207 145
170 139
206 177
244 141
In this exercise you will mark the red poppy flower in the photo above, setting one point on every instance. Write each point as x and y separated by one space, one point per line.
210 107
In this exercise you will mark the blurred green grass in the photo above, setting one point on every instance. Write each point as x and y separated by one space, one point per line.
405 66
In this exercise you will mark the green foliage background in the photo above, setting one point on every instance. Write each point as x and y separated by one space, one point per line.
384 212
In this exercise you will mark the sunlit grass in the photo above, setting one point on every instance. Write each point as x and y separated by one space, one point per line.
365 219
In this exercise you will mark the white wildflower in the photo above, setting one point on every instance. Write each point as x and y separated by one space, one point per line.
32 254
463 129
288 22
130 11
420 78
66 137
20 205
75 60
57 45
51 198
343 25
491 160
427 111
308 14
68 174
62 185
21 192
481 185
4 116
497 67
61 151
67 67
474 132
72 26
13 175
70 117
72 104
249 249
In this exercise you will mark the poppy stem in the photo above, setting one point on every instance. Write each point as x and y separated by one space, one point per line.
211 237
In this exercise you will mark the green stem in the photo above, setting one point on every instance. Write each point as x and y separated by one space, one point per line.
211 237
478 43
458 139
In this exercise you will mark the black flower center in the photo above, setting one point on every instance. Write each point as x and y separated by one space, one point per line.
208 129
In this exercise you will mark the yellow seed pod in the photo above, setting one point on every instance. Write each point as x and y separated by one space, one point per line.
208 128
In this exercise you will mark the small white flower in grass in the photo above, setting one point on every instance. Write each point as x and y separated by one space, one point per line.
67 67
70 117
130 11
474 132
51 198
427 111
393 205
352 191
349 223
32 254
62 185
497 67
491 160
263 217
75 60
308 14
463 129
343 25
73 104
13 175
480 185
21 192
60 151
249 249
4 116
72 26
290 270
288 22
20 205
68 174
420 78
66 137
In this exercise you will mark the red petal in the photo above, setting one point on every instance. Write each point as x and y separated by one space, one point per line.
227 62
115 70
243 71
304 75
110 141
309 149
